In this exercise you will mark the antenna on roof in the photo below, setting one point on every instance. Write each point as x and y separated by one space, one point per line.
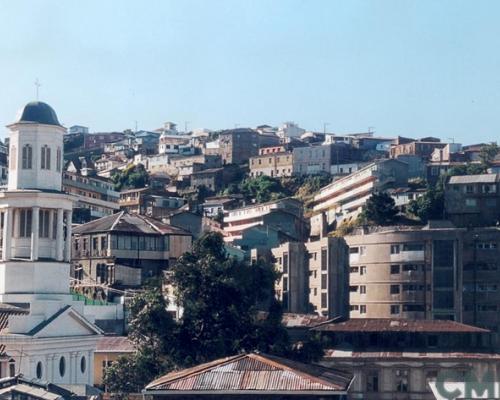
325 124
37 87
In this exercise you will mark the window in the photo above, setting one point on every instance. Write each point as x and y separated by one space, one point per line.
324 281
372 381
45 157
362 309
353 270
469 189
413 247
353 288
486 245
394 248
362 289
83 364
394 289
410 267
62 366
27 157
471 202
353 250
285 284
324 259
324 300
39 370
285 263
25 222
353 308
402 380
394 309
362 270
394 269
44 224
58 159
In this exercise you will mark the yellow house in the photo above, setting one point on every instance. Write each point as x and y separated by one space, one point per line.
109 349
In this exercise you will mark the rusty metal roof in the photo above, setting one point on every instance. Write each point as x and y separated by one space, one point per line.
114 344
398 325
253 372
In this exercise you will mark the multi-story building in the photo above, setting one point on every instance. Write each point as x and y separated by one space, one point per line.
236 146
473 200
406 272
96 196
272 161
345 197
121 251
401 359
4 169
99 140
423 147
73 130
328 262
150 202
292 287
290 130
312 159
175 144
284 214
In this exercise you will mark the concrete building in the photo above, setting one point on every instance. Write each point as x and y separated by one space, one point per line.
473 200
109 349
328 261
345 197
290 130
236 146
406 272
272 161
401 359
423 147
312 160
43 332
284 214
75 129
121 251
148 201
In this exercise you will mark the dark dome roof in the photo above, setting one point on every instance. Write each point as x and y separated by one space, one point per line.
39 113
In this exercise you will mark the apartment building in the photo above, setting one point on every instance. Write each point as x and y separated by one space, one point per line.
423 147
292 287
473 200
406 272
401 359
284 215
274 161
150 202
328 262
236 146
96 196
312 159
121 251
345 197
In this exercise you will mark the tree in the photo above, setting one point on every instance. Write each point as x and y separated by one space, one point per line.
132 177
153 331
380 209
429 206
263 188
488 153
220 296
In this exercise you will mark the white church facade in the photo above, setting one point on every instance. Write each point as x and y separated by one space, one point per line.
43 332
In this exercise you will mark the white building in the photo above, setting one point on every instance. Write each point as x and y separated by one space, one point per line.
290 130
42 330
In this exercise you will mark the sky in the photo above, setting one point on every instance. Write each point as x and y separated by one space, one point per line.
411 68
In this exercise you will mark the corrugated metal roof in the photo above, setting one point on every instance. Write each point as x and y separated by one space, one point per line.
483 178
112 344
413 355
254 372
398 325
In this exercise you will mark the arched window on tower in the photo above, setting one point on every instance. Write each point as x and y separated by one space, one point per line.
59 159
13 154
45 162
27 156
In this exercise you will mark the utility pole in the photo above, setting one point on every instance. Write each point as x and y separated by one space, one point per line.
37 88
325 124
186 123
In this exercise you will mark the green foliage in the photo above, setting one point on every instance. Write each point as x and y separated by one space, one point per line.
132 177
305 186
488 153
429 206
379 209
466 169
220 296
262 189
152 330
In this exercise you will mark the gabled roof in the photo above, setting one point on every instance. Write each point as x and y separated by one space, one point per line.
128 223
6 310
247 373
20 387
398 325
114 344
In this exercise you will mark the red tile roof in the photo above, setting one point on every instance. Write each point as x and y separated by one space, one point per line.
398 325
253 372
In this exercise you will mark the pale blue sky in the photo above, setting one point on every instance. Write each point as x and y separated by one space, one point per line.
413 68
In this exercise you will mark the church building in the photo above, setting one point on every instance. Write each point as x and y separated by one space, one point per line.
43 331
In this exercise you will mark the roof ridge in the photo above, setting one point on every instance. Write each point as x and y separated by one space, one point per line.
119 216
